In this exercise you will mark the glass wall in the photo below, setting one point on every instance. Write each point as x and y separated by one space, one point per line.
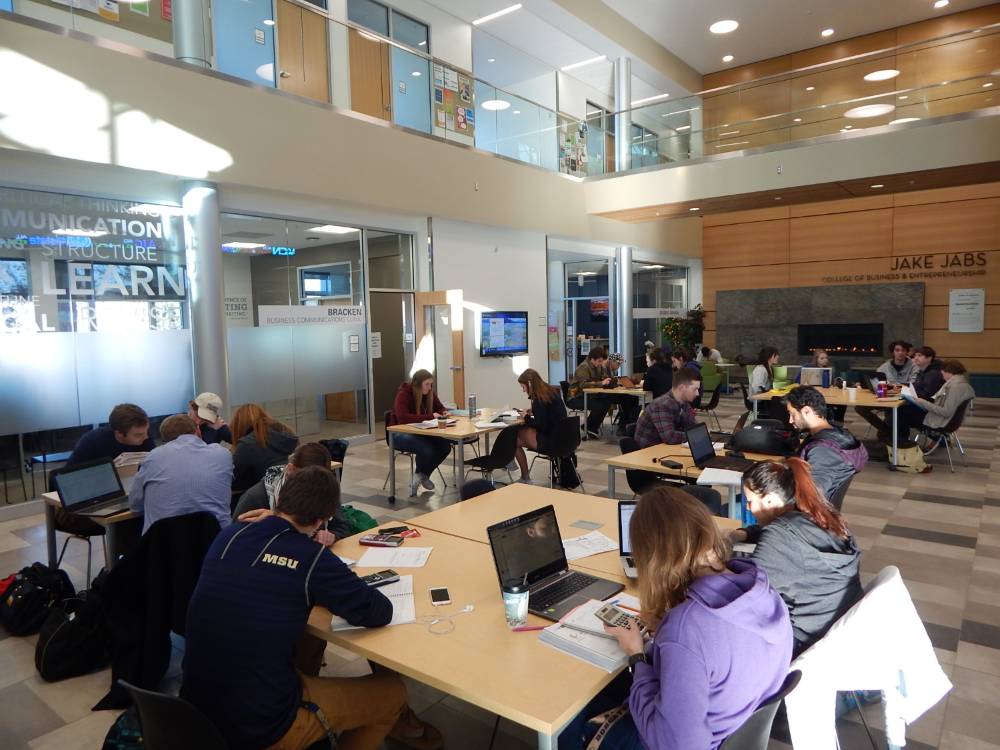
93 310
295 315
589 309
658 292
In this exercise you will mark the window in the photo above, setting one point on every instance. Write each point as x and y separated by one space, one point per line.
369 14
410 32
389 22
597 116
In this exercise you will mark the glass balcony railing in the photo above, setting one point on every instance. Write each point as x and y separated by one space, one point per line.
299 48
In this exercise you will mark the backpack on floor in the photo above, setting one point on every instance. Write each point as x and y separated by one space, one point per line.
910 459
74 639
565 474
358 520
27 601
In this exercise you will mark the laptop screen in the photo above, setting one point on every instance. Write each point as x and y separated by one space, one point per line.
528 545
700 443
625 511
86 484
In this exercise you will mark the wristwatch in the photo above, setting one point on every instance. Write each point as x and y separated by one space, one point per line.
635 659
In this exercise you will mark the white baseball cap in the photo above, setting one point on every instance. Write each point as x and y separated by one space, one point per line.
209 406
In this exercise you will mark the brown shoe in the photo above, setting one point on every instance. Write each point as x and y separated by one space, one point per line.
415 733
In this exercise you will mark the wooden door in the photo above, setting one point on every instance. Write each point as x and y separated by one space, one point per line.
609 151
303 53
370 84
424 303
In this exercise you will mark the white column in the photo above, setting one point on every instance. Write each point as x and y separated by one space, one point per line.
192 32
623 311
623 114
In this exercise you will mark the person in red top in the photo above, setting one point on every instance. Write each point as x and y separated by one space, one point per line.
417 402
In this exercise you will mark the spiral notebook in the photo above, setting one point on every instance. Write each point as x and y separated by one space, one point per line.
400 595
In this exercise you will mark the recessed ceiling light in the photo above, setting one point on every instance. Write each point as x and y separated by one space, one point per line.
882 75
649 99
422 43
683 127
826 32
695 208
268 22
777 197
501 12
495 104
869 110
491 59
727 58
810 88
904 119
243 245
724 27
516 112
848 127
729 132
588 61
797 119
877 186
940 3
416 73
332 229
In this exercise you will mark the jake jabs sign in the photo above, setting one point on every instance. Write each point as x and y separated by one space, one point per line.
917 268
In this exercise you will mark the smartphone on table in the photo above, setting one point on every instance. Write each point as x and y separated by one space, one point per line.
439 596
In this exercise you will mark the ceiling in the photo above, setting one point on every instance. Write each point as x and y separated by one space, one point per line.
768 28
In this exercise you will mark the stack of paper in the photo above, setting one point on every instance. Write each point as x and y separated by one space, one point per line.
582 635
395 557
426 424
725 477
400 596
586 545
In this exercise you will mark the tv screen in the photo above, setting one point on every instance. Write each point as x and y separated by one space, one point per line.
503 334
598 310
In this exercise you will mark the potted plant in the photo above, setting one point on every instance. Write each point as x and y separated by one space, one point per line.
685 332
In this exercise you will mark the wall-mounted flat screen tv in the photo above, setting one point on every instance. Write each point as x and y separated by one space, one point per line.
599 310
503 334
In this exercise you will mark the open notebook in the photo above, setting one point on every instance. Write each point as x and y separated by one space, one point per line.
400 596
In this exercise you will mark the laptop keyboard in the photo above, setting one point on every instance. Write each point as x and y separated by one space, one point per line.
560 591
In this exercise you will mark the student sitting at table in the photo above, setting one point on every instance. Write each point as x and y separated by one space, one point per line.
264 494
833 453
722 642
206 411
258 584
803 544
680 358
184 475
762 375
821 358
666 419
261 442
708 354
540 421
659 376
936 412
127 431
899 369
416 401
592 373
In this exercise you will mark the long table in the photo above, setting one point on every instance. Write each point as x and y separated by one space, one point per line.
639 393
839 397
462 432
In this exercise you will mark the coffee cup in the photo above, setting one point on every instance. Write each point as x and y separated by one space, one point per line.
852 394
442 422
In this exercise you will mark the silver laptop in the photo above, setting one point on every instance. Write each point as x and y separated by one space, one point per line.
529 548
91 489
625 510
814 376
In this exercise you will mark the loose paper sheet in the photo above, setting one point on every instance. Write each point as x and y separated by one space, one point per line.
593 543
395 557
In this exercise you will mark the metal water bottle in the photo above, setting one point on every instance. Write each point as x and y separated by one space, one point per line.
473 411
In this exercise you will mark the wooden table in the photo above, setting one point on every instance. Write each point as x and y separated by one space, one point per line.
639 393
481 661
839 397
470 519
463 431
647 459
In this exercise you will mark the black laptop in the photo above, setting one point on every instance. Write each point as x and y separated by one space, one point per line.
870 379
703 452
91 489
529 548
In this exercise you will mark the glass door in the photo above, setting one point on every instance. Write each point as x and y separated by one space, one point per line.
658 292
589 310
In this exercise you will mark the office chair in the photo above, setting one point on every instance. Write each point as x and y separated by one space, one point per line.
170 722
338 452
638 481
500 456
755 732
386 416
564 388
948 434
79 527
712 405
564 444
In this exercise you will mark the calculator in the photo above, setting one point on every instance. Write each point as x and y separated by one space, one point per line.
617 618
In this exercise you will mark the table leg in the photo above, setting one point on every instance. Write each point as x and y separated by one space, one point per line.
50 534
895 436
611 482
586 434
111 546
392 470
486 436
734 506
547 741
461 467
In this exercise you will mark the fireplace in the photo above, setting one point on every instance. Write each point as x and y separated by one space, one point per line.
861 339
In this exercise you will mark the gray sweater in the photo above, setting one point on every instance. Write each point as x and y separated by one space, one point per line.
946 401
907 374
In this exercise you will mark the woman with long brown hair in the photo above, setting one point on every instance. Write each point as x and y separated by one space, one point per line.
261 442
540 421
722 640
416 401
803 543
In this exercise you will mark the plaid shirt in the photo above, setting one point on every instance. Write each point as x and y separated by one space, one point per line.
664 421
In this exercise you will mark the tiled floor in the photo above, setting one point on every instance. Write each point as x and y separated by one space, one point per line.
941 529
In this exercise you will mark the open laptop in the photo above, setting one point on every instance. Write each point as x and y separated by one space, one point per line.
870 379
529 548
625 510
814 376
91 489
703 452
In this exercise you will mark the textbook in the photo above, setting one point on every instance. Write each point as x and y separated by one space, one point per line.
582 635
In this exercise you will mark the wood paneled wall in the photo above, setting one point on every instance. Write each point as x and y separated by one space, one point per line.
947 239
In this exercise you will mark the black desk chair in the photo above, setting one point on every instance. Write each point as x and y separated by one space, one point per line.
756 731
948 434
639 481
79 527
500 456
564 443
12 462
712 405
338 452
169 722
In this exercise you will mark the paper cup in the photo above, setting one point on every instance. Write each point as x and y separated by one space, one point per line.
852 394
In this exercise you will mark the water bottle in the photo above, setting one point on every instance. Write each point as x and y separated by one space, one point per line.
473 411
826 378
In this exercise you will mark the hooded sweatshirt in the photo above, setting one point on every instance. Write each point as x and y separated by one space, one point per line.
251 460
715 658
929 380
834 455
814 571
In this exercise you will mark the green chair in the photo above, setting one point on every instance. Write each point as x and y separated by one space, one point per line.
711 378
779 377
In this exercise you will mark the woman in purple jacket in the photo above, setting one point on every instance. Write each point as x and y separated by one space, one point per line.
722 642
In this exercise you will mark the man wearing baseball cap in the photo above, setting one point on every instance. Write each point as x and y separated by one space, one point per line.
206 411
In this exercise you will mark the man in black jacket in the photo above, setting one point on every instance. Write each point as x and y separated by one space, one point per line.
258 585
927 383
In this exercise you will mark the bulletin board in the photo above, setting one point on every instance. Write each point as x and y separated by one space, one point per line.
454 101
151 18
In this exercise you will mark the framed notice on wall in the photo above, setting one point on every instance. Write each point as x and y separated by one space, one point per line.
966 310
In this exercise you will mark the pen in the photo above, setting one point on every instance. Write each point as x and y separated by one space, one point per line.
528 628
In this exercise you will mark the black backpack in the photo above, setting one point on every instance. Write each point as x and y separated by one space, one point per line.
28 600
74 638
767 436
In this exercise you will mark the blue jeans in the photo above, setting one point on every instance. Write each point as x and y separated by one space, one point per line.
429 451
623 736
